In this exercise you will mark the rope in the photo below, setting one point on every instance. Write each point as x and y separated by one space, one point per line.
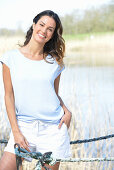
42 158
92 139
79 141
86 159
47 158
3 141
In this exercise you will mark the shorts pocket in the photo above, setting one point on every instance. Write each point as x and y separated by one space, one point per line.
65 125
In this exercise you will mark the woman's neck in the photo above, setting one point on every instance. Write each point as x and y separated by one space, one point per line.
33 51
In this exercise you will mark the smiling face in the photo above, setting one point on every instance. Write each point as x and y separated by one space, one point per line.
43 30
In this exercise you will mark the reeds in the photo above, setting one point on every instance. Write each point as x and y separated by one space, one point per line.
95 50
77 131
92 51
87 52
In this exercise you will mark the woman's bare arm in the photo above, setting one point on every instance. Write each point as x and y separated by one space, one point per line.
9 99
67 114
56 85
10 107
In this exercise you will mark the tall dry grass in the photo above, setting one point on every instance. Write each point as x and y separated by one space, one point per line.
77 131
90 51
94 50
9 43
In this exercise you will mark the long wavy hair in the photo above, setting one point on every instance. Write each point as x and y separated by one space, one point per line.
56 45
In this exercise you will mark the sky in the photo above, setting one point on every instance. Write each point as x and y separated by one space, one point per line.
20 13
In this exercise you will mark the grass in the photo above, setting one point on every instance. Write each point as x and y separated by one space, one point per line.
97 50
9 43
83 36
84 49
76 37
94 50
77 131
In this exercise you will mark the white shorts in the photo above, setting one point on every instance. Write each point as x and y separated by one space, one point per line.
44 137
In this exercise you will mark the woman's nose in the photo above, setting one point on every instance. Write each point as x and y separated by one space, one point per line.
44 30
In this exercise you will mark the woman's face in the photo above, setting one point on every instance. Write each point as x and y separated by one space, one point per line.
43 30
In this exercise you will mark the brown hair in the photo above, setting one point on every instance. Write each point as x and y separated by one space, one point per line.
56 45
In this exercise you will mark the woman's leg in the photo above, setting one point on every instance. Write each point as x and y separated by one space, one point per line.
8 161
54 167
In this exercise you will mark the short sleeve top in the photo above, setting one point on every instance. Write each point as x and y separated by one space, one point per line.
33 85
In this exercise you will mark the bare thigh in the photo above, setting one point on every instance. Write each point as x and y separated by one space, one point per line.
55 167
8 161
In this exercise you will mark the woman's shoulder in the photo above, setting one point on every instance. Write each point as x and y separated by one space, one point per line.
7 57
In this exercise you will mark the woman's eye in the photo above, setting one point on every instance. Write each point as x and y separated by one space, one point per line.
41 24
50 30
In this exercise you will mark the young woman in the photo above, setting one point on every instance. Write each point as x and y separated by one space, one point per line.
31 76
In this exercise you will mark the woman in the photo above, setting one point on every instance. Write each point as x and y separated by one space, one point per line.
31 76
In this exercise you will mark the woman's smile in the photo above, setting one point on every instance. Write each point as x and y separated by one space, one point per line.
41 35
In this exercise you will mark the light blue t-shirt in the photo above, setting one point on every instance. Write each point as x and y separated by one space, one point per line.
33 85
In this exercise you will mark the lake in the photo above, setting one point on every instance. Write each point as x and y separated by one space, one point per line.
88 90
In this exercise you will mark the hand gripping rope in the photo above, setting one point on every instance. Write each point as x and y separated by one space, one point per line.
47 158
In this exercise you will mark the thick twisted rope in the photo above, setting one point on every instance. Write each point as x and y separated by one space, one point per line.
85 159
3 141
92 139
42 158
79 141
48 158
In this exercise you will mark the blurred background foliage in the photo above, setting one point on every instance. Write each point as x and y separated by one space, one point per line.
80 22
91 20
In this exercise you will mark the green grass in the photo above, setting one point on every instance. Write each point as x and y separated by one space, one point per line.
76 36
85 35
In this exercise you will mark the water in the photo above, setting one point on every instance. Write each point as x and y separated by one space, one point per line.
90 88
89 91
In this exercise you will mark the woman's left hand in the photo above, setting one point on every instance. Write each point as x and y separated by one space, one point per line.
66 118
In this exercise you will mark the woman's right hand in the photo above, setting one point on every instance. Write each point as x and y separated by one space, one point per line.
21 140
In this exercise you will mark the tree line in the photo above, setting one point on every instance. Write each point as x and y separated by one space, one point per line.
91 20
78 22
